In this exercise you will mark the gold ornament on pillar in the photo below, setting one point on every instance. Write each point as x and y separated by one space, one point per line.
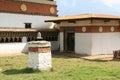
23 7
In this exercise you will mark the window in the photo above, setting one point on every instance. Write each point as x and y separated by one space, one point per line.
50 38
28 25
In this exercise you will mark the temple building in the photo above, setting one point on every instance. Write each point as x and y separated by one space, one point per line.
89 34
21 20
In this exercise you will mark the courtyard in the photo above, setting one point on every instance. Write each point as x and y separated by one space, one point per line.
64 68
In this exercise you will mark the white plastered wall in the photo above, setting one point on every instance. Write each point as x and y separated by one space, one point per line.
105 43
9 20
83 43
16 48
97 43
13 48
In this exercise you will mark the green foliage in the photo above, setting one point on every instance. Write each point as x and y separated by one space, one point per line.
64 68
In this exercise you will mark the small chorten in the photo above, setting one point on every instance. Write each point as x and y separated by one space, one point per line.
39 37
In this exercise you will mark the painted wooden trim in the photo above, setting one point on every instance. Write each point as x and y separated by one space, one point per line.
33 2
92 29
34 9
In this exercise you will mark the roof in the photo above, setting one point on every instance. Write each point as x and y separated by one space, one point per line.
83 16
26 30
18 30
51 2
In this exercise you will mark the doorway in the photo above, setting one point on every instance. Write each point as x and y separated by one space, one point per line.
69 40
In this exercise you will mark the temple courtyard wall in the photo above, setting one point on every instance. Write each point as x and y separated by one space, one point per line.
18 48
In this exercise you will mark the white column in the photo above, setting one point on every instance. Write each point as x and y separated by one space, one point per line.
61 42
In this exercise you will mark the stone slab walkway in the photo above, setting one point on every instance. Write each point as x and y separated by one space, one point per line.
100 57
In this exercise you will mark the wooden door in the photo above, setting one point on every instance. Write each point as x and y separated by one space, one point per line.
69 40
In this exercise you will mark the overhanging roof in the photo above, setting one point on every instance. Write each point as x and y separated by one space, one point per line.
83 16
18 30
27 30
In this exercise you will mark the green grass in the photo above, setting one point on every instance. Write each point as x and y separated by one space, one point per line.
64 68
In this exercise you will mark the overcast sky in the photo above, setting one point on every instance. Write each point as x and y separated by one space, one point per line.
73 7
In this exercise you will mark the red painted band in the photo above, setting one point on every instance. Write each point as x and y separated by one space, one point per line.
91 29
39 49
32 8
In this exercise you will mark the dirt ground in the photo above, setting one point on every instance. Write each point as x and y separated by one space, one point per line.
72 55
2 55
99 57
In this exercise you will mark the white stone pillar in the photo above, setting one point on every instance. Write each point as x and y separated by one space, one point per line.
39 56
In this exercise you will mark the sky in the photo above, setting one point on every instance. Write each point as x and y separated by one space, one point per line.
75 7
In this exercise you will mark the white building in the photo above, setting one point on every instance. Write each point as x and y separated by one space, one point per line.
21 20
89 34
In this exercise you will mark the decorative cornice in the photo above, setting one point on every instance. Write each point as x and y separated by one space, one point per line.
31 2
11 6
92 29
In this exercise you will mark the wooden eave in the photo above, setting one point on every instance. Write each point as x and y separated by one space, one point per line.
84 17
58 21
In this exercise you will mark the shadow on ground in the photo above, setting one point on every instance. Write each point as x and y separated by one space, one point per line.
22 71
68 55
97 60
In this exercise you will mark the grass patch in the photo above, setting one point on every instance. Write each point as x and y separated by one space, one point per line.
64 68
